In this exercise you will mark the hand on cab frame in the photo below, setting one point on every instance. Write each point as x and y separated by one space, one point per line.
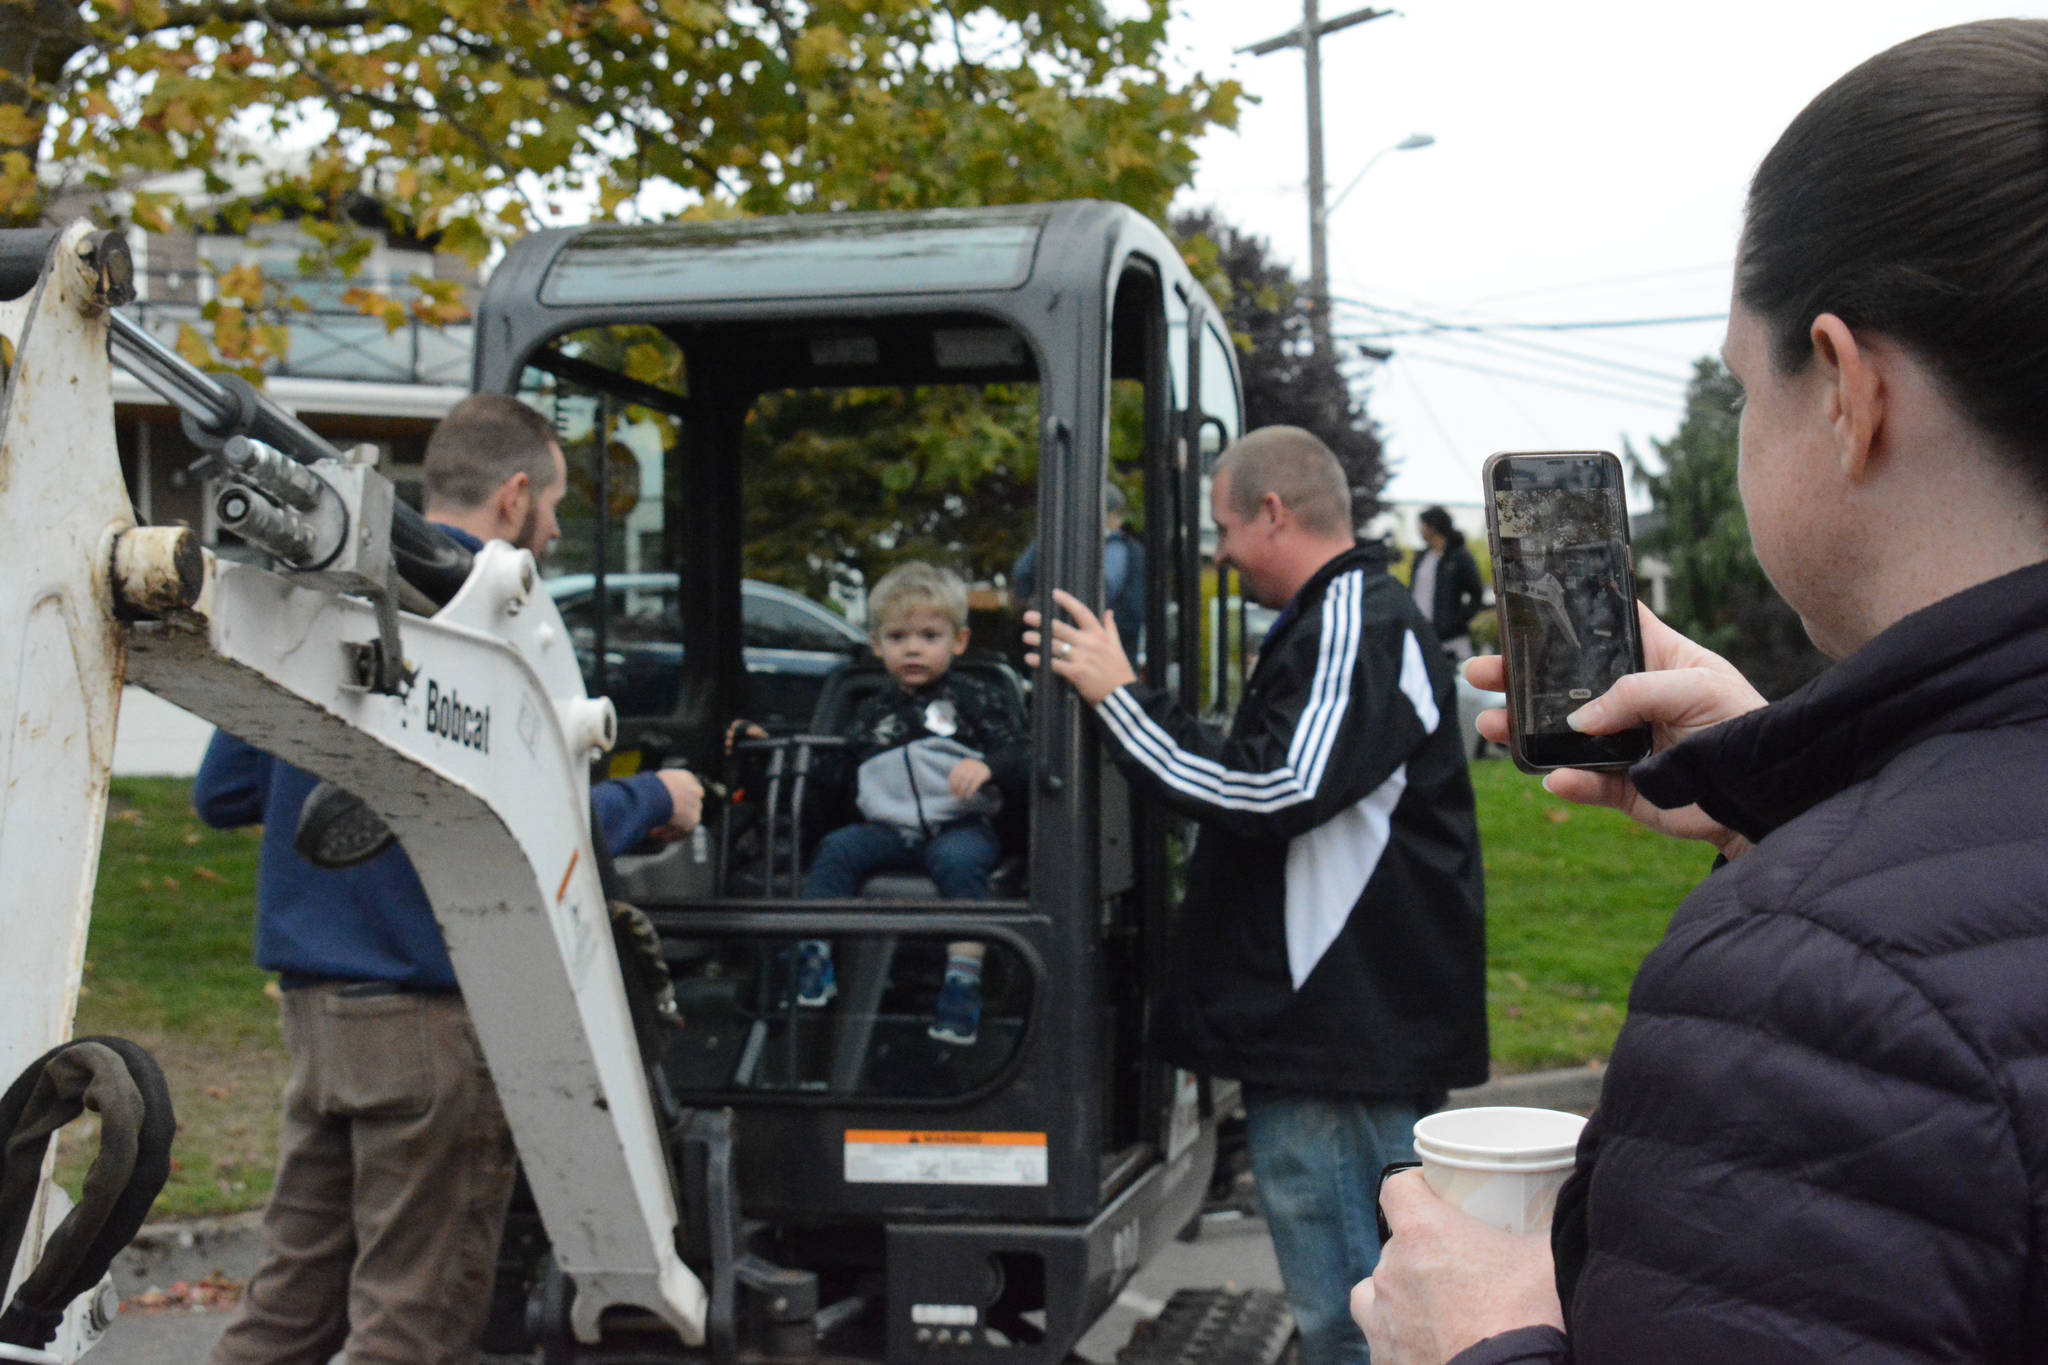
1682 690
1085 650
740 729
1447 1281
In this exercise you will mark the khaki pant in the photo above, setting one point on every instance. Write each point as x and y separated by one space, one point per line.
395 1170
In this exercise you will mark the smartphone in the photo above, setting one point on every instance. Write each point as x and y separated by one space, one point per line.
1564 580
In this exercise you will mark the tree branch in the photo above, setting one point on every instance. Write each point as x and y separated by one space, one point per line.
325 18
339 95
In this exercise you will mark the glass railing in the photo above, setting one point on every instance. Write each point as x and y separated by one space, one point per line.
341 344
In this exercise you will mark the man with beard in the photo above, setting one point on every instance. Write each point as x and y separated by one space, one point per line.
395 1166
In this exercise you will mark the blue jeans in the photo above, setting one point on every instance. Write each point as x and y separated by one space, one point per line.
958 859
1317 1160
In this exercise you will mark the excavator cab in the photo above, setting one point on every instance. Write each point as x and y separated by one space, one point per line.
760 418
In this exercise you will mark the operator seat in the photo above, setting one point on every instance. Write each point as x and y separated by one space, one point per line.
853 683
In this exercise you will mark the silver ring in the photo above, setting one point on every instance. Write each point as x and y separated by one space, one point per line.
1065 649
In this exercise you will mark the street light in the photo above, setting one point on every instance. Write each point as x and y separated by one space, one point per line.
1407 144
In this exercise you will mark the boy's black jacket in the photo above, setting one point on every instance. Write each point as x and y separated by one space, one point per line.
983 714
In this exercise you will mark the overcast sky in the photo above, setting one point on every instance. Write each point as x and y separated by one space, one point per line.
1590 163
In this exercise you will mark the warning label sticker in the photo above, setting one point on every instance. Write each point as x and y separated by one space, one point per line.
895 1157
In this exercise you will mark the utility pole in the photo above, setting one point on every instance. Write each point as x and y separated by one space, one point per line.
1308 37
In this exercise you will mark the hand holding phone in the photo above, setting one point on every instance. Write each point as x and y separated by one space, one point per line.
1683 689
1564 578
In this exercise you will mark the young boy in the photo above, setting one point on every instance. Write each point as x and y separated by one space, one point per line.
936 753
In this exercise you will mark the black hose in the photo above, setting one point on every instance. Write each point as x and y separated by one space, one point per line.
427 559
23 253
124 1083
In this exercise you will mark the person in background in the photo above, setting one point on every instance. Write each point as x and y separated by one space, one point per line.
1445 583
395 1167
1823 1133
1123 573
1331 952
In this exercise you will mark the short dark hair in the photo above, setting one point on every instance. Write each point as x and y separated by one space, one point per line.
483 441
1910 199
1297 466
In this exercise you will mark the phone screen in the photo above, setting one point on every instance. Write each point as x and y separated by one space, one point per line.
1566 590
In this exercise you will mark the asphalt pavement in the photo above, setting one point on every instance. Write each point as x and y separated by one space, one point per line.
1231 1250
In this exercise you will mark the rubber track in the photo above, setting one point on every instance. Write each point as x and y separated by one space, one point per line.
1215 1327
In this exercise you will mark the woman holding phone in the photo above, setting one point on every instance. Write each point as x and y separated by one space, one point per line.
1823 1134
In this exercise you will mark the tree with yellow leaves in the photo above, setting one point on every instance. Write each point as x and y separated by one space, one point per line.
465 122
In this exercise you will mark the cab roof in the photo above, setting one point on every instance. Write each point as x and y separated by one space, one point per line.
805 256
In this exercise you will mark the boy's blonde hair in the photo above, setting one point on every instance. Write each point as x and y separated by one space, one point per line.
908 587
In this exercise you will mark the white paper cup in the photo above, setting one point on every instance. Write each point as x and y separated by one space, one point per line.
1503 1165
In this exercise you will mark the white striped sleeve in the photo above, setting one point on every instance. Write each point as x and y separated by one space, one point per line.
1297 778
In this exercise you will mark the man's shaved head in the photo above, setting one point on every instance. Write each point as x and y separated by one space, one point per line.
1297 467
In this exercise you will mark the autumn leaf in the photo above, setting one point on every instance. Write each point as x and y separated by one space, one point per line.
243 283
191 345
17 125
373 303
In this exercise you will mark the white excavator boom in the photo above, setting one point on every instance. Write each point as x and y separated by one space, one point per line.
475 752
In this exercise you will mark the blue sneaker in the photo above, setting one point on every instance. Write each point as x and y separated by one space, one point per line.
958 1017
816 981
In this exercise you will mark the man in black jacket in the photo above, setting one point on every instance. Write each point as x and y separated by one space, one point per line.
1331 952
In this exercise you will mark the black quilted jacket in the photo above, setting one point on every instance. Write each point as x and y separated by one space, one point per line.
1824 1132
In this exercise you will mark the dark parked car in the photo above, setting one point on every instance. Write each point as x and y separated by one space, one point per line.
790 644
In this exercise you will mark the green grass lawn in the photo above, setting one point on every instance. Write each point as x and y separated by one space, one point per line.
1575 897
169 965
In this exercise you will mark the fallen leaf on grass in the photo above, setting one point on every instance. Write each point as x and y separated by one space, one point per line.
216 1092
207 874
274 992
1557 817
130 817
170 883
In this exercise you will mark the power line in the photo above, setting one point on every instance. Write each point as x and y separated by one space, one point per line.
1429 324
1482 336
1640 400
1608 282
1598 347
1590 325
1483 349
1429 412
1536 369
1593 366
1432 325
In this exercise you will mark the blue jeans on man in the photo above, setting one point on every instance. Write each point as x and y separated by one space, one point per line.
958 858
1317 1160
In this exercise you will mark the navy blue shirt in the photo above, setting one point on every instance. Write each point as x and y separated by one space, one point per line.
371 922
